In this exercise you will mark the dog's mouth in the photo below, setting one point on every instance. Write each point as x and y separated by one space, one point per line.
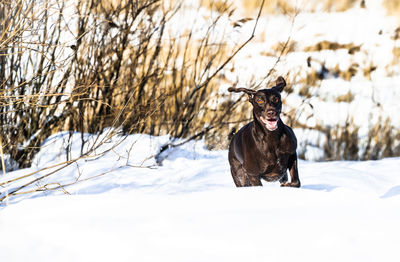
271 123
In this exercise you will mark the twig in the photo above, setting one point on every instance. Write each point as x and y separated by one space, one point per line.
4 167
172 145
14 192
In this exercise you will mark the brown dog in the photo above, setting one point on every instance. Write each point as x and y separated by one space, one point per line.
266 147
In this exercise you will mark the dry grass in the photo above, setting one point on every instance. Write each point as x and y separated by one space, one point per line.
271 7
347 98
156 84
327 45
335 5
392 7
367 71
220 6
281 49
396 54
342 142
383 141
291 7
250 7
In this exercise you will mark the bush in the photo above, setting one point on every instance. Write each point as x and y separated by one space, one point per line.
114 64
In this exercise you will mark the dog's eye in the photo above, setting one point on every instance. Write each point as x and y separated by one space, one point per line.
275 99
260 101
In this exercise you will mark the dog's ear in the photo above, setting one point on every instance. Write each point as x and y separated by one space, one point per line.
280 84
249 92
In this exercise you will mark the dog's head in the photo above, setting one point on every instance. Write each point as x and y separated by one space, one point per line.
267 104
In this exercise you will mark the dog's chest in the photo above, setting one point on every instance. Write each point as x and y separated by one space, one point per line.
270 162
270 158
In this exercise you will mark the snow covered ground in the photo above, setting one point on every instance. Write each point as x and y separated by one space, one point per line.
189 210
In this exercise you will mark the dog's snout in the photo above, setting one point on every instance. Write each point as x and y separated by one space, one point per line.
271 113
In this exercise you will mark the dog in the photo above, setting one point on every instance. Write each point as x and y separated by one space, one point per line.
264 148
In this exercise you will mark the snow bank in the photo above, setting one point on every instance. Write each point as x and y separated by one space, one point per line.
189 210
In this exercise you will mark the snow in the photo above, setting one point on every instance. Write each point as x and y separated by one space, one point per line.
188 209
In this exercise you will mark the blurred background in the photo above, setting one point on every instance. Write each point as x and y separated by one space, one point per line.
162 67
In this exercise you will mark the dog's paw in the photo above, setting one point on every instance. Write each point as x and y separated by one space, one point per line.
291 184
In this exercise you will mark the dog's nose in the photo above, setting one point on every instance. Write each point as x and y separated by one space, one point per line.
271 113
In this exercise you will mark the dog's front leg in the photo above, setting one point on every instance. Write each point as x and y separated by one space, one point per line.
284 179
239 175
242 178
294 175
255 180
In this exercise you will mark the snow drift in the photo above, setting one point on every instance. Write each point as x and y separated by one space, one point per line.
189 210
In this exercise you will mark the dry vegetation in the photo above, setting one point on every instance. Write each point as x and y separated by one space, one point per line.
125 69
292 6
392 6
